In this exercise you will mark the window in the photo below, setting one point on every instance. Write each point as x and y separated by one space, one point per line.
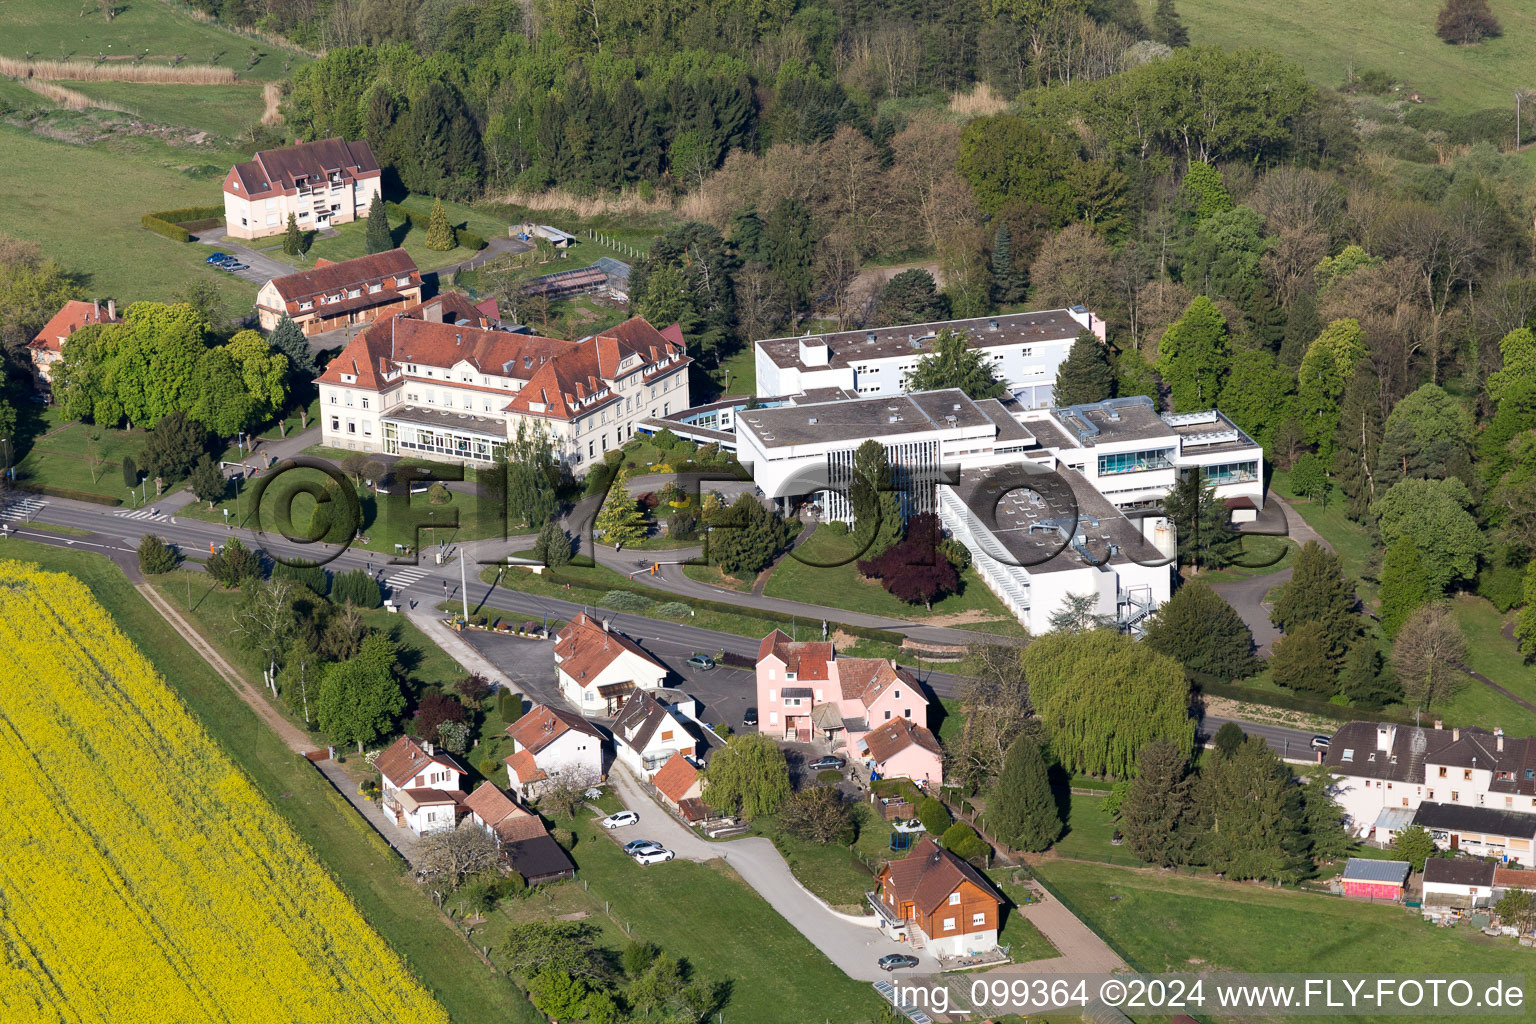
243 221
373 288
949 924
349 398
1466 775
1135 462
351 426
367 429
365 401
333 398
896 693
978 919
773 718
354 293
1442 771
307 305
773 694
1455 797
954 899
666 735
303 215
1231 473
907 713
887 716
335 423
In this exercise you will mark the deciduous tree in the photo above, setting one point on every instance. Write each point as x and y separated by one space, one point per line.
359 699
1428 654
1357 441
1325 372
1435 515
1466 21
1415 845
817 814
1194 355
749 775
1404 586
1428 434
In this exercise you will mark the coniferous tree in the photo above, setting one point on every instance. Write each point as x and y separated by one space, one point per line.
1228 738
1252 816
910 297
207 481
953 363
293 242
1362 681
1204 633
1318 592
1357 441
553 547
747 537
288 338
1084 376
1205 535
789 241
377 237
1156 813
620 520
1404 586
747 236
439 231
1303 662
1007 282
1323 820
1167 28
1301 326
1023 812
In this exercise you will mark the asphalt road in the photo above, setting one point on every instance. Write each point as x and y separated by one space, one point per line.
723 692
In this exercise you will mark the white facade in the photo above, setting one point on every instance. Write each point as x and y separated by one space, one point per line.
649 731
625 667
420 789
1024 349
571 751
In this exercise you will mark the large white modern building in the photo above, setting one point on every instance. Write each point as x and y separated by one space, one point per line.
1024 349
1051 503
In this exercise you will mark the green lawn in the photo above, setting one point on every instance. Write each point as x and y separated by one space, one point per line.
365 867
1260 556
1023 939
714 576
226 110
1088 834
87 217
1351 540
1167 922
59 29
738 373
81 457
350 240
1396 36
810 574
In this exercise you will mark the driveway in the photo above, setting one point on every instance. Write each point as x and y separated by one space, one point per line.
853 944
260 267
1247 596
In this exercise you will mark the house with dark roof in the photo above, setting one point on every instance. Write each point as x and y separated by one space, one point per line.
1479 831
1364 878
520 835
551 745
422 786
332 295
1384 769
48 347
445 380
322 183
653 727
598 667
1457 882
936 901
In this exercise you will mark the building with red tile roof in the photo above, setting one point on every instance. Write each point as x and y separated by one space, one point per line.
444 379
322 183
937 901
598 667
677 781
421 785
48 347
332 295
549 744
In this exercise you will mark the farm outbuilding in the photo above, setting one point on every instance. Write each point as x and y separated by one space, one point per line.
1375 879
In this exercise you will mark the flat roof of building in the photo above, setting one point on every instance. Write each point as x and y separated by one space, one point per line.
879 416
1132 418
848 347
1209 432
450 420
1037 516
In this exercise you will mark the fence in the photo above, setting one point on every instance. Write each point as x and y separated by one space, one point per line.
615 244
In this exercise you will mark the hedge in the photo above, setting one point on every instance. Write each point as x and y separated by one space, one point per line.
470 240
65 492
175 232
190 213
1296 702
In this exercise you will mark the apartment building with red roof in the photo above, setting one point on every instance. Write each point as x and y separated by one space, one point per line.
322 183
443 380
332 295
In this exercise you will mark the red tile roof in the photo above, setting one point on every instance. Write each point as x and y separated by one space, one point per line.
75 314
1514 878
891 738
490 804
808 661
406 758
275 170
520 828
327 278
524 766
865 679
576 382
927 876
585 649
694 810
542 725
675 778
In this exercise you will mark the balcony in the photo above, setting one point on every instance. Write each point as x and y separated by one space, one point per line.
885 913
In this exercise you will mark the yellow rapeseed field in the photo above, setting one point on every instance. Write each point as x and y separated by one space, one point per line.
142 877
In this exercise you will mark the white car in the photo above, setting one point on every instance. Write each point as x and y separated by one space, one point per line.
621 819
911 825
653 855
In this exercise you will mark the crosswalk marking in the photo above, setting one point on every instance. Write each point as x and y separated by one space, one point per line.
22 509
142 513
404 578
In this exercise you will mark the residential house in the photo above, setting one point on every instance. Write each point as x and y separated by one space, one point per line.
48 347
651 728
679 785
598 667
519 834
1375 879
805 692
1023 349
1382 767
1480 831
1458 882
931 898
422 786
902 749
322 183
442 380
549 745
333 295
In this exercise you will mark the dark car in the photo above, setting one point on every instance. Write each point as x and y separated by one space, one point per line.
218 257
822 764
702 661
750 718
896 961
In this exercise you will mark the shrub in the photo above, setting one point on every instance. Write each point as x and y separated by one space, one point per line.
356 587
565 837
1501 584
473 689
962 841
156 556
234 563
934 815
438 494
311 576
673 610
488 767
470 240
175 232
188 214
624 601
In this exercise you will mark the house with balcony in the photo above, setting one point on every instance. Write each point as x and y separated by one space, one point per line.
333 295
322 184
598 667
654 727
422 787
937 902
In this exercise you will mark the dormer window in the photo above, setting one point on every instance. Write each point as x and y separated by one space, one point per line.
349 378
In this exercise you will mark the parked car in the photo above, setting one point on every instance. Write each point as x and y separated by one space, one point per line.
218 257
1320 742
822 764
657 855
233 267
896 961
635 846
702 661
910 825
621 819
749 720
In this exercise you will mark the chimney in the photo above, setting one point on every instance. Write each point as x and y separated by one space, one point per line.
1498 740
1439 724
1455 734
111 309
605 625
97 304
428 748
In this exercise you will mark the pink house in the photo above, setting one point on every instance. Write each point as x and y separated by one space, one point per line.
805 692
902 749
